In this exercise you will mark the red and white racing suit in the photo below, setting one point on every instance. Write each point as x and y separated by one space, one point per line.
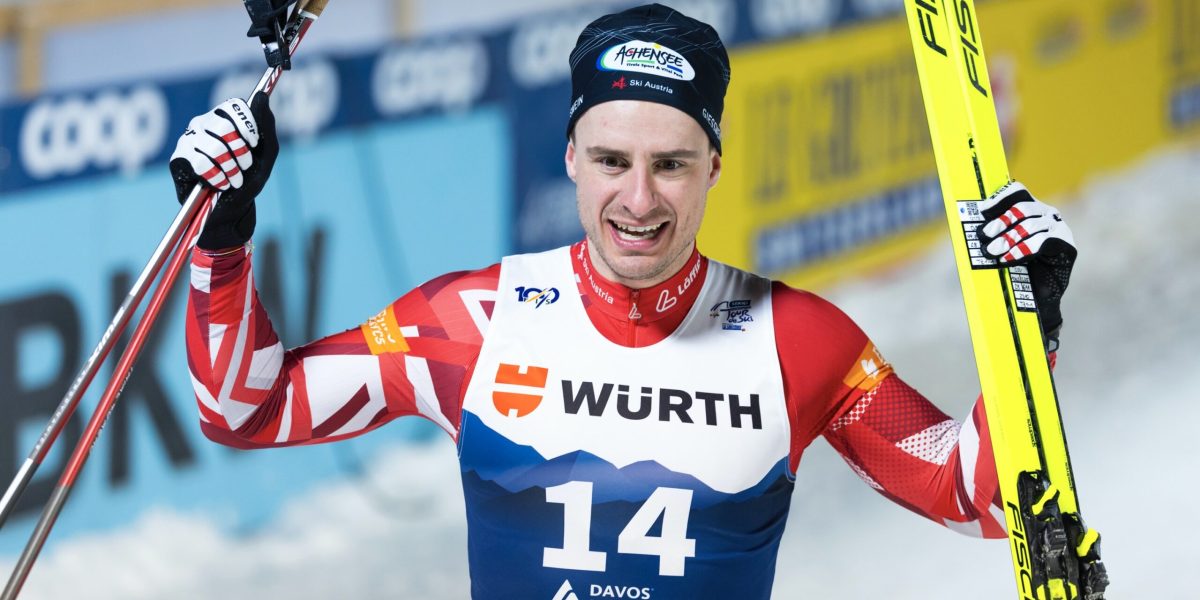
616 514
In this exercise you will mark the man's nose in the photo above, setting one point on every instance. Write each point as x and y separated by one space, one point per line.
641 198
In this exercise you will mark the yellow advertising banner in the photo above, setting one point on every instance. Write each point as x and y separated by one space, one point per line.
828 167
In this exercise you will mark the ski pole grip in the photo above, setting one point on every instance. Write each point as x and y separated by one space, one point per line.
313 7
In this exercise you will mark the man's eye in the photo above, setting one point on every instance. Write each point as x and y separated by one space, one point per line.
670 165
611 162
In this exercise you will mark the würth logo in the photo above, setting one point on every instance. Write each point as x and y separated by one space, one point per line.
663 404
529 379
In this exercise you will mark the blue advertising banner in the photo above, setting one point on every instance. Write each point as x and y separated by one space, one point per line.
123 128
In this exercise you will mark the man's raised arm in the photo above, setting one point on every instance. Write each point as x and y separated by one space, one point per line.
411 359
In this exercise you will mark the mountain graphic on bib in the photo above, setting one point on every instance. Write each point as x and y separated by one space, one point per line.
516 468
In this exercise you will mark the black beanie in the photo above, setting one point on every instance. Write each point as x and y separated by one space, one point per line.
651 53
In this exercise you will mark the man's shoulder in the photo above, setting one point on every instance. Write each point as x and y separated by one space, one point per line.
782 294
487 278
799 308
551 254
793 307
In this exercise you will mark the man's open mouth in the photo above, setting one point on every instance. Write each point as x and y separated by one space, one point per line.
634 234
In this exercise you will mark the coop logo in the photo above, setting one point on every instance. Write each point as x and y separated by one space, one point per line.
446 76
66 136
736 312
519 389
537 48
875 8
537 297
304 103
775 18
646 57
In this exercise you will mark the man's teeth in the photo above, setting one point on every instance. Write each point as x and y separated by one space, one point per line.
629 232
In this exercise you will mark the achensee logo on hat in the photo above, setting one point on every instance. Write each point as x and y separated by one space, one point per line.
646 57
651 53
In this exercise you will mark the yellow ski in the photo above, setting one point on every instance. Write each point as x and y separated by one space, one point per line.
1055 557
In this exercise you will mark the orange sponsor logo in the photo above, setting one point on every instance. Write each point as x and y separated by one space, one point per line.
519 404
868 370
382 333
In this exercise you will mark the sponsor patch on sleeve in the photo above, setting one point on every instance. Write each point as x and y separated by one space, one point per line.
868 370
382 333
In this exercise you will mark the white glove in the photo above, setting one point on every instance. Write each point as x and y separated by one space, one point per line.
1020 224
1022 230
217 144
231 148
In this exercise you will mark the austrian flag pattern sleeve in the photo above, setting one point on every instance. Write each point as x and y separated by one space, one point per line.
412 358
894 438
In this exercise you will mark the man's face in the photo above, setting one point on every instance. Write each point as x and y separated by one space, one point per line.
642 172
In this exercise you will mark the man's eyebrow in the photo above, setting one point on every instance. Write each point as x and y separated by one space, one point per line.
679 153
595 151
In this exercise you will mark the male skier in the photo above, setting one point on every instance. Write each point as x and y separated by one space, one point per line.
629 414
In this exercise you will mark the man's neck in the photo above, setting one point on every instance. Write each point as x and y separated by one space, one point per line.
646 304
605 269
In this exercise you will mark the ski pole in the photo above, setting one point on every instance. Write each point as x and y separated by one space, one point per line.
199 202
70 400
66 407
115 385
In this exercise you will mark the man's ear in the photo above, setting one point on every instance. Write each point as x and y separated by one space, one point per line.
714 172
569 158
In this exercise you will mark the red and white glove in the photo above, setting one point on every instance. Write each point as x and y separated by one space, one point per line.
230 148
1022 230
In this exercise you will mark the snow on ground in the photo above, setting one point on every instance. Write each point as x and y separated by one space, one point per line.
1132 338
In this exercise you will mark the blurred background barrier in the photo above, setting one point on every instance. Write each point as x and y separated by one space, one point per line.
829 167
422 137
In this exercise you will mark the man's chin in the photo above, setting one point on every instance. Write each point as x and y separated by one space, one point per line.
634 270
632 267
